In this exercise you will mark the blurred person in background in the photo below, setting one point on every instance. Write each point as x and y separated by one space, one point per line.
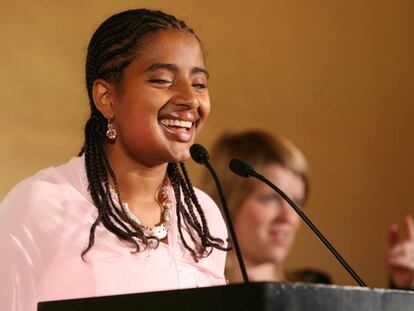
266 225
399 257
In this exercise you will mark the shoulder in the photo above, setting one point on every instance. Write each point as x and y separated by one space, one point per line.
33 219
207 203
44 183
212 212
205 199
217 228
39 196
34 187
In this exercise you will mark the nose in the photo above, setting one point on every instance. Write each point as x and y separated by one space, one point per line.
287 213
185 95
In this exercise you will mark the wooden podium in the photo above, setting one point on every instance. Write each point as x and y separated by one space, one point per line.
252 296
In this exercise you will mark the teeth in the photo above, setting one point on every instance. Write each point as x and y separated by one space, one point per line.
180 123
281 234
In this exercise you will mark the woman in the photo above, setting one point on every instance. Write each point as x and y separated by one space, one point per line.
265 224
123 216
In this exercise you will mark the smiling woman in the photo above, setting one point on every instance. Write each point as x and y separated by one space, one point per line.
121 217
166 82
265 224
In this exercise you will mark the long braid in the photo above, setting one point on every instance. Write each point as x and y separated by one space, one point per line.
98 184
190 214
194 199
112 48
208 242
190 220
173 174
122 213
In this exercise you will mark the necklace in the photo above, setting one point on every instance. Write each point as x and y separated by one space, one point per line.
160 231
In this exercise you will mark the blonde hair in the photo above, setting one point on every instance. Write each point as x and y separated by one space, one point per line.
259 149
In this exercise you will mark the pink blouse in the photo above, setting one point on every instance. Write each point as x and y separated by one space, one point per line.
45 222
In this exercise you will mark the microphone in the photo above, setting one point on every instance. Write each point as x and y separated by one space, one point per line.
243 169
200 155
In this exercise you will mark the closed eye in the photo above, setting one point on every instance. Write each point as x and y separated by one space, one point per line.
267 198
199 86
159 81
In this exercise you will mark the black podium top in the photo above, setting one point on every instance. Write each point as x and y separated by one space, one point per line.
253 296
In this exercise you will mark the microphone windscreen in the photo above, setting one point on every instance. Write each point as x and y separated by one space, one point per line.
199 153
240 168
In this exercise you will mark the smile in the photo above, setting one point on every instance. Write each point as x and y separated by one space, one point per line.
280 237
279 233
177 123
180 130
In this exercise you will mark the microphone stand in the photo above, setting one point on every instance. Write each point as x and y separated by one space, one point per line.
311 226
229 222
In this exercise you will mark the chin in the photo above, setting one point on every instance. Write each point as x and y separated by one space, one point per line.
180 154
278 256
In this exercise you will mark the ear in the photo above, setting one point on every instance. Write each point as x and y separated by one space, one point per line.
103 97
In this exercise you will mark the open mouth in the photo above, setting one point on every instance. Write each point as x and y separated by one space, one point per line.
181 130
177 123
279 237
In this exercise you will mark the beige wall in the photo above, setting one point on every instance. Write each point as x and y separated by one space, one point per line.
336 77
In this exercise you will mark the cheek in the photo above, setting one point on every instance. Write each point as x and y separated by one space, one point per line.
138 116
296 222
205 106
137 100
252 216
134 123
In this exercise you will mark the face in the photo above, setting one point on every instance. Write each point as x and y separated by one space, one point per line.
265 224
163 100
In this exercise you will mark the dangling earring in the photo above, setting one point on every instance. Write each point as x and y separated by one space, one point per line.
111 132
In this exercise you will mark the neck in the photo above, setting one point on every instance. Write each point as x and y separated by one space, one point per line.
266 272
136 181
257 272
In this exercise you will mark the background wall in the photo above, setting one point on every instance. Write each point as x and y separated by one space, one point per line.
336 77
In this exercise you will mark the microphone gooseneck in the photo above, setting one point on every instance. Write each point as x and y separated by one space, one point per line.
200 155
243 169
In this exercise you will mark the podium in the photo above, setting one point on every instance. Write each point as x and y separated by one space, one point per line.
253 296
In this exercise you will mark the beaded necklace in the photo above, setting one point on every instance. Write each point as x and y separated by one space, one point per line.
160 231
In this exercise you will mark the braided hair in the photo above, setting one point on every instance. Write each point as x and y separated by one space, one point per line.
112 48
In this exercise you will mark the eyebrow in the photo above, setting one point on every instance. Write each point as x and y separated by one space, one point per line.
174 68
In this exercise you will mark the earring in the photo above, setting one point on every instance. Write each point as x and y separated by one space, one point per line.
111 132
